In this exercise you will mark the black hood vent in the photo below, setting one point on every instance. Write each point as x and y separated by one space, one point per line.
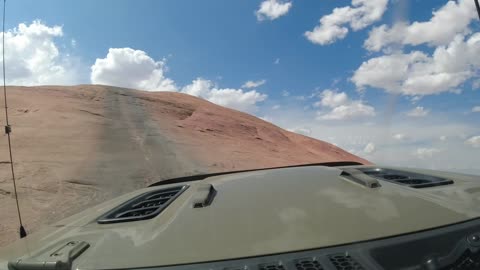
344 261
145 206
308 264
406 178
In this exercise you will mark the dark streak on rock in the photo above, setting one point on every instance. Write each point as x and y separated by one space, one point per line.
4 192
79 182
92 113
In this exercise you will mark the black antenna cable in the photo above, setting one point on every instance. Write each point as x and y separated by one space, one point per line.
478 8
8 128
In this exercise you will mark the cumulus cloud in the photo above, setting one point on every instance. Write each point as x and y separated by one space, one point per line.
454 60
253 84
451 19
301 130
126 67
369 148
341 107
355 109
359 15
33 57
233 98
424 153
415 99
272 9
399 136
476 109
418 111
416 73
473 141
332 99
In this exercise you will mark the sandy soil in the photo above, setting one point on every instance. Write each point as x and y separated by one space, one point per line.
80 145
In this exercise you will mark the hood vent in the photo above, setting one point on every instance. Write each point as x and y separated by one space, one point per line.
272 266
308 264
343 261
145 206
361 178
405 178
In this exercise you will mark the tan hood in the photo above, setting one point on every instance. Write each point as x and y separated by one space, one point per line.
259 213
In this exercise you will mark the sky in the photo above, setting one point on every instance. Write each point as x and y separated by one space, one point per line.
396 82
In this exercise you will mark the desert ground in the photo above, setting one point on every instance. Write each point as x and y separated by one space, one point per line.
76 146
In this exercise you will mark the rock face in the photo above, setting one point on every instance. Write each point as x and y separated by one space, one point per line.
226 139
75 146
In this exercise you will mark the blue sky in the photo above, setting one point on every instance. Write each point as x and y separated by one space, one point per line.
204 38
394 81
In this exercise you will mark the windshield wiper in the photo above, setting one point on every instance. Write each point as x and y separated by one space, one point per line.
203 176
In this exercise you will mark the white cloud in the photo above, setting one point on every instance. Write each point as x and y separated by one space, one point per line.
332 99
451 19
415 99
399 136
341 107
253 84
424 153
126 67
353 151
333 27
418 111
355 109
369 148
455 154
285 93
454 61
33 56
232 98
272 9
301 130
266 118
476 109
276 107
131 68
386 72
277 61
417 73
443 138
473 141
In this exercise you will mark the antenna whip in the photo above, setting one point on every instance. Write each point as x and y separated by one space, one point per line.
8 128
478 8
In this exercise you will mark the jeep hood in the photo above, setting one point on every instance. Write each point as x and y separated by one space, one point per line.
258 213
